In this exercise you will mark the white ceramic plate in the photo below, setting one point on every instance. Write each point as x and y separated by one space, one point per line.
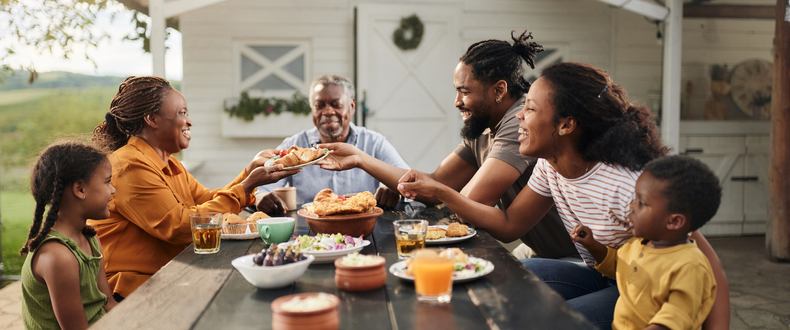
447 240
241 236
399 270
270 162
330 256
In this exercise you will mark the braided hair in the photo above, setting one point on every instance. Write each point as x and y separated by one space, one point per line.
137 97
614 130
494 60
59 166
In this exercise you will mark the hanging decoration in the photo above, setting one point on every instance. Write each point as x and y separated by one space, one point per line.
413 24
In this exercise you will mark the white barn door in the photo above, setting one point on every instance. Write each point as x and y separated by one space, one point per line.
409 94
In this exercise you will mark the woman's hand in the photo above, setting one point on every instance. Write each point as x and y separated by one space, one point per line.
415 183
261 158
270 204
264 175
342 156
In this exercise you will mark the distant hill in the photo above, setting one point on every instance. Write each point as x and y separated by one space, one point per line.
62 79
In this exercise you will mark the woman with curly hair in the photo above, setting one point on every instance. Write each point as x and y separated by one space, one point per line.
592 144
148 224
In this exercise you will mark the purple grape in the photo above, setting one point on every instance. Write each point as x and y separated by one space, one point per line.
258 259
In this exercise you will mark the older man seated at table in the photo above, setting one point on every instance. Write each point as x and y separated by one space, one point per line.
333 106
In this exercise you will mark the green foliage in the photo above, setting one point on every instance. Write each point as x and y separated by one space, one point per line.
16 214
248 108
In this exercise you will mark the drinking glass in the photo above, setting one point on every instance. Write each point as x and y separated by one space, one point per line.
433 276
206 231
409 236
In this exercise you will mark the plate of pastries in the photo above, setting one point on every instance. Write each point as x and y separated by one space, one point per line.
236 227
444 234
466 267
296 157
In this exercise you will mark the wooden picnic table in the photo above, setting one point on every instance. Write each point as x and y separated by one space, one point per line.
205 292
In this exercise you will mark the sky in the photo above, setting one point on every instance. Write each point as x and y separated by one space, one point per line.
114 57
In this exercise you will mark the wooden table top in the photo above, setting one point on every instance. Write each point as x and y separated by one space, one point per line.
205 292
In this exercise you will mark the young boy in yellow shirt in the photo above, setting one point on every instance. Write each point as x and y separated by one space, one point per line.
665 281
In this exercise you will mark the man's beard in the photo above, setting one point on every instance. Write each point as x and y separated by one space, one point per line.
474 127
328 132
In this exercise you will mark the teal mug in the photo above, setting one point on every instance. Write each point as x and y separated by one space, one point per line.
275 230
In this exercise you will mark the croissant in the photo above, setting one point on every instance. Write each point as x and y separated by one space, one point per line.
296 156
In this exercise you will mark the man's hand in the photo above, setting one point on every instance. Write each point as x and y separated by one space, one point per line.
264 175
261 159
386 197
270 204
343 156
415 183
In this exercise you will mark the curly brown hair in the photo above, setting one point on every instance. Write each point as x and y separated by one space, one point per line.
614 130
137 97
60 165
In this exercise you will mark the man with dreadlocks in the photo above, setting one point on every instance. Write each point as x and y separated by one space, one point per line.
487 166
148 223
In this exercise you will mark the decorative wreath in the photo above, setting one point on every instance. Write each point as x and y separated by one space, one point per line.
414 24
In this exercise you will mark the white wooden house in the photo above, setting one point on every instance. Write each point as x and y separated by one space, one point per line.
270 48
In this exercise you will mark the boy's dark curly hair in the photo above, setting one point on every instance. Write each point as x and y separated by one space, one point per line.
59 166
692 188
614 130
494 60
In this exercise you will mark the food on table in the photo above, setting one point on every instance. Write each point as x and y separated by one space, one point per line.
457 230
232 223
327 242
277 255
326 203
297 156
309 304
435 233
355 259
463 265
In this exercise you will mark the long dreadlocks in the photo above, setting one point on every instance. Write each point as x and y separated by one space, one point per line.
137 97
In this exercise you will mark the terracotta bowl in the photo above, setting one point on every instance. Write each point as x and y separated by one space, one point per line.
360 278
359 224
322 319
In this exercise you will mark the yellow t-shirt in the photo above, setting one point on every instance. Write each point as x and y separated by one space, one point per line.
671 286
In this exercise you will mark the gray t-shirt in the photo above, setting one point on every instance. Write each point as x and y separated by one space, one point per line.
548 238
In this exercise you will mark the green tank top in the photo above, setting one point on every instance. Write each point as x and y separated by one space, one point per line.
37 311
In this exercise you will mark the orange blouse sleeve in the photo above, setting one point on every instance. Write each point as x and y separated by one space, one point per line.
160 204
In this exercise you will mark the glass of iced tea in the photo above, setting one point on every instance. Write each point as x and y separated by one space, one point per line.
409 236
433 276
206 231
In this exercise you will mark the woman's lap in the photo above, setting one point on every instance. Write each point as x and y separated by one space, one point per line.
583 288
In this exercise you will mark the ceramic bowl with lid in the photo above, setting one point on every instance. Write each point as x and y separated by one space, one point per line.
361 278
325 317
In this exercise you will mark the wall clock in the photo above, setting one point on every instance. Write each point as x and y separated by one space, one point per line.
751 82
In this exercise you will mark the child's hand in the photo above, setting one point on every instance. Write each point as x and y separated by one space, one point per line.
583 235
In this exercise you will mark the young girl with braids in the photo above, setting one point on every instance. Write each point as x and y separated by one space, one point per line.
592 145
148 224
63 279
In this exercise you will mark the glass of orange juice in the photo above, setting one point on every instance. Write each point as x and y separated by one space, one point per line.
433 276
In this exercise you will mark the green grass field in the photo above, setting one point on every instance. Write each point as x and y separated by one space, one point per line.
16 212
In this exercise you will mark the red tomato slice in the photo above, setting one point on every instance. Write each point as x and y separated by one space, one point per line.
283 153
341 197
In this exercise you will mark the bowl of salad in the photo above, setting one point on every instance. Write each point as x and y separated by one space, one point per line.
326 248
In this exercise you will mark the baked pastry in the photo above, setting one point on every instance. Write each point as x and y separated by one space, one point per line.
435 233
326 203
296 156
456 230
456 253
255 217
232 224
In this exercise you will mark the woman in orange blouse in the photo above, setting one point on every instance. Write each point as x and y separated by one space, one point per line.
149 214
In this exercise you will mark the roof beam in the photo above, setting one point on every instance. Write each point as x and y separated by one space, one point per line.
729 11
178 7
641 7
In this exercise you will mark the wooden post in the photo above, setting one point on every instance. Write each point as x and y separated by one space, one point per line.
777 238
